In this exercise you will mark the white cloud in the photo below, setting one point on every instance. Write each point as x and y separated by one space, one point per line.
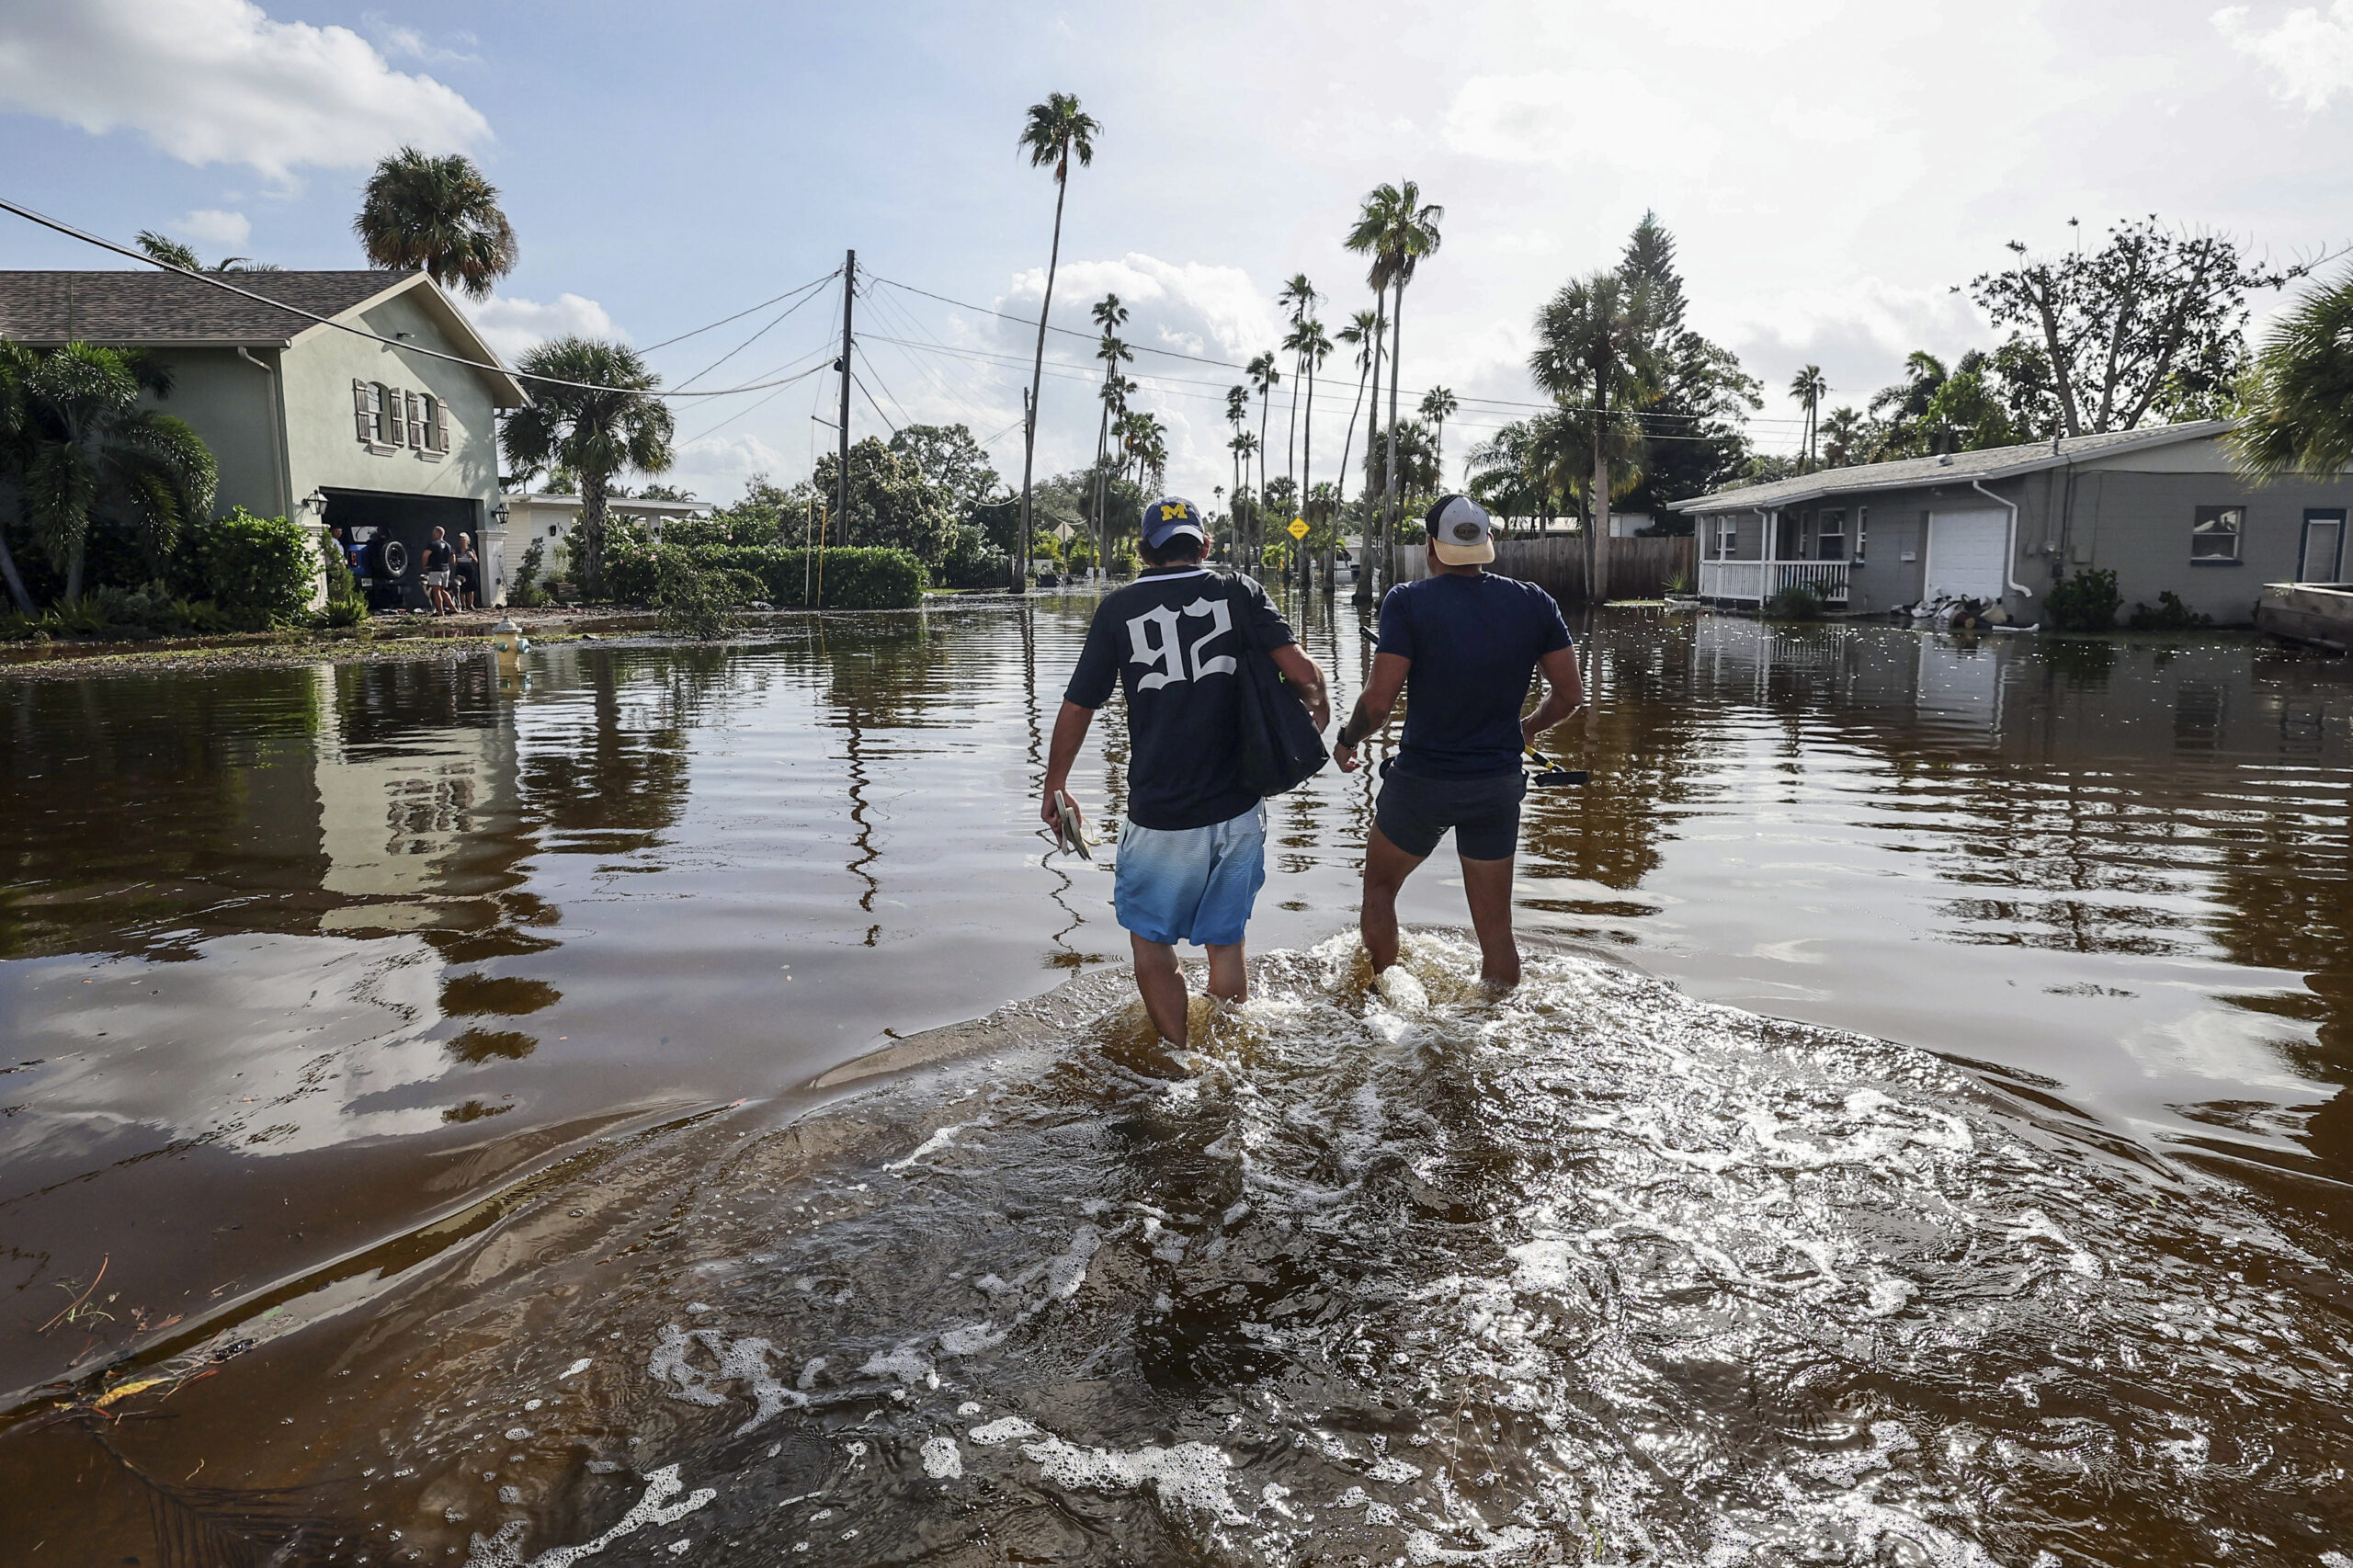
511 325
1190 308
395 39
217 82
718 467
211 226
1569 115
2308 55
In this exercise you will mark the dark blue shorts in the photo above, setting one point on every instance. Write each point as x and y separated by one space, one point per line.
1414 813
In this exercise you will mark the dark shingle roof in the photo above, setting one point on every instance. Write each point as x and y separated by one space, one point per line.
1989 463
134 307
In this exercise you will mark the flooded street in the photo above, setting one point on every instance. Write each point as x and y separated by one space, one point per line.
441 1122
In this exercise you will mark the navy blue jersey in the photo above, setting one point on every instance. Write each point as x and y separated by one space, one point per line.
1474 643
1169 640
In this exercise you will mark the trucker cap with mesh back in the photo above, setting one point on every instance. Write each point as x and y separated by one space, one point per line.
1461 531
1166 519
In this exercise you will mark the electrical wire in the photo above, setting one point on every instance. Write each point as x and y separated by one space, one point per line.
773 323
72 232
739 315
878 407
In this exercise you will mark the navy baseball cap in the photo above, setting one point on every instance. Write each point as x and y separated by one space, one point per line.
1172 514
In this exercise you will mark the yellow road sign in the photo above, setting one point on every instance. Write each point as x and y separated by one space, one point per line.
1297 528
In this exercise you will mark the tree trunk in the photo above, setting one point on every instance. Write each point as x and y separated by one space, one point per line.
1038 379
1367 573
74 564
1258 512
592 534
1598 590
1102 488
1390 488
1307 464
16 583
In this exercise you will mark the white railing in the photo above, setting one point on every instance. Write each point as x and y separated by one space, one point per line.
1754 582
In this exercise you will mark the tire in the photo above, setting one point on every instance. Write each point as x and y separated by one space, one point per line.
391 558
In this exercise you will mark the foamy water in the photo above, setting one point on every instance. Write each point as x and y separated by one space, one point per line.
1413 1273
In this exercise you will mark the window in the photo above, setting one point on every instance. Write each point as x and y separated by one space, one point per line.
389 418
435 428
1727 536
2215 534
1830 537
1862 531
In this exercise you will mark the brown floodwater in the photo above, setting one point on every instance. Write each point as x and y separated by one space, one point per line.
440 1122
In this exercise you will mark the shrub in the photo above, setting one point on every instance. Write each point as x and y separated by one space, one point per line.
257 569
149 611
2085 602
1125 560
697 600
1796 602
526 590
2171 615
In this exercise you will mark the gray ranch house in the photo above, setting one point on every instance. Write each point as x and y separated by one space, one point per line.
2162 508
306 421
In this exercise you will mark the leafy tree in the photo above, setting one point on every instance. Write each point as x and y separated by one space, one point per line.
1417 475
1809 387
1596 348
78 448
1362 333
1704 397
2299 396
1297 297
439 216
951 462
1439 406
2154 315
1265 376
591 412
1845 437
893 504
1396 229
1109 316
1056 131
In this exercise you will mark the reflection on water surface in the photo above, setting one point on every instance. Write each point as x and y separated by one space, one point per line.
302 970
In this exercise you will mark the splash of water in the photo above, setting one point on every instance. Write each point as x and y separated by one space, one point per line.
1413 1272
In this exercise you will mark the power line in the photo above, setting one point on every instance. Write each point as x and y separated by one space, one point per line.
773 323
876 406
211 282
739 315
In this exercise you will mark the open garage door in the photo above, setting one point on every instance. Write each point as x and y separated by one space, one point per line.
393 529
1968 553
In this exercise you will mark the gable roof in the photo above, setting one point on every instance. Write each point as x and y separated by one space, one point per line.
1992 462
160 309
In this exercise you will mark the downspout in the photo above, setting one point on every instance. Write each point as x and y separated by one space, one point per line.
280 484
2011 546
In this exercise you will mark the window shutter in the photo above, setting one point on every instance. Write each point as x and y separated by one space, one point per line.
389 398
363 413
416 421
440 422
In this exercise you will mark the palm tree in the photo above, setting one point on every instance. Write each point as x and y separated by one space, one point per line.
438 216
1595 354
1056 131
1397 229
1842 434
171 253
604 425
1109 315
1237 409
1246 444
2299 395
1297 297
76 445
1362 333
1313 345
1438 407
1263 375
1809 388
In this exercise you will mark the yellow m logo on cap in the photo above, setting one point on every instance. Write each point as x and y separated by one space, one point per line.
1172 513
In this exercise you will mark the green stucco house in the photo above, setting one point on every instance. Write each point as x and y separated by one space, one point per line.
332 427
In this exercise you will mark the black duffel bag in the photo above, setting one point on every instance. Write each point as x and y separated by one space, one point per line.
1280 748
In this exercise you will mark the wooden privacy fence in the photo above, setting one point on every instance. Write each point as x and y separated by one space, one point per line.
1639 568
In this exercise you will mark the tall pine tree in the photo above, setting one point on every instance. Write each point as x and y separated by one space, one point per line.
1695 441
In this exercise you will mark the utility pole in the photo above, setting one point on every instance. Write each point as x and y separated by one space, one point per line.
841 476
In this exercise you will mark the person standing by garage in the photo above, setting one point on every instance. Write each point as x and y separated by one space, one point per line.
439 560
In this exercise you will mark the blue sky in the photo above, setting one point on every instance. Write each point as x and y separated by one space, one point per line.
1830 169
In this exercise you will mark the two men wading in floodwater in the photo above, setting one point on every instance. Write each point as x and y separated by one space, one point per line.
1193 854
1461 645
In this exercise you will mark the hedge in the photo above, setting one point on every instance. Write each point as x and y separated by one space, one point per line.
852 579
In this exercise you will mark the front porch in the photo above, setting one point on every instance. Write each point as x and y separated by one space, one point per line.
1754 582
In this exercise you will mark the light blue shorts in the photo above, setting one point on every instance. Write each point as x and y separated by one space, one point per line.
1193 884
